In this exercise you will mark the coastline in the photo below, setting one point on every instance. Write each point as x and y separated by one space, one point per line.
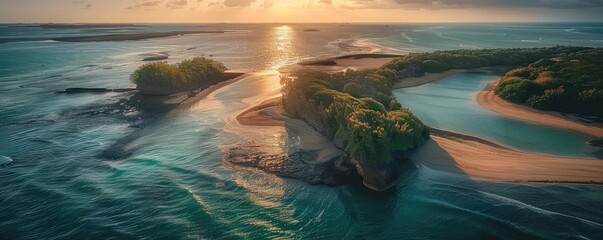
433 77
447 151
427 78
468 155
487 99
268 113
484 160
184 101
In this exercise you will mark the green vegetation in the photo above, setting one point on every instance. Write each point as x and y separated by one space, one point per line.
440 61
202 72
568 83
163 78
357 110
566 79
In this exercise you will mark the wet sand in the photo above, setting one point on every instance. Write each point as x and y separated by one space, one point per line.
483 160
268 113
466 155
185 101
447 151
487 99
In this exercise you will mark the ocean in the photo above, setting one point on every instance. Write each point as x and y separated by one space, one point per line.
90 166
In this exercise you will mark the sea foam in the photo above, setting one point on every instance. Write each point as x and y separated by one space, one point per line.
4 160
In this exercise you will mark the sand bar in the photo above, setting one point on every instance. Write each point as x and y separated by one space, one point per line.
265 114
185 101
482 160
467 155
488 99
458 153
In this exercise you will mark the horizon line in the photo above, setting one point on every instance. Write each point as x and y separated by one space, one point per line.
296 22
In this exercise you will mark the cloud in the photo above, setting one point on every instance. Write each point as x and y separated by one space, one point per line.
145 5
238 3
326 2
176 4
88 6
267 3
555 4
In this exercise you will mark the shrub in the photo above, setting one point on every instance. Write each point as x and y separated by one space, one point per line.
162 78
516 90
159 78
201 71
353 89
571 82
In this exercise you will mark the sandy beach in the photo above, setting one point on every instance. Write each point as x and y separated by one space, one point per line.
429 77
487 99
454 152
462 154
483 160
185 101
268 113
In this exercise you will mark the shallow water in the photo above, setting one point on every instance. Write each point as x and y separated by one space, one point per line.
171 180
450 104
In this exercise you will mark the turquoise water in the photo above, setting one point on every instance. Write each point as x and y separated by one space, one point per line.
169 180
450 104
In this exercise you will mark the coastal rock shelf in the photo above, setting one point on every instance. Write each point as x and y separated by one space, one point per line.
299 164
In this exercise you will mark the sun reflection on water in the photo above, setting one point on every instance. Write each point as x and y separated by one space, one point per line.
282 51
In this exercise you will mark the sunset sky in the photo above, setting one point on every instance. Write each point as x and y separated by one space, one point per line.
41 11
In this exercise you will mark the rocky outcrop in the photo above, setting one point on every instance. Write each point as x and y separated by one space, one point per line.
299 165
377 177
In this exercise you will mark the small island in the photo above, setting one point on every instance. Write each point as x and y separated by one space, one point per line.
161 78
359 112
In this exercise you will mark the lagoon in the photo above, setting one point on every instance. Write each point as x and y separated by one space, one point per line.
450 104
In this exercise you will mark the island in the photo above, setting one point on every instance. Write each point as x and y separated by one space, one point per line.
349 100
359 112
161 78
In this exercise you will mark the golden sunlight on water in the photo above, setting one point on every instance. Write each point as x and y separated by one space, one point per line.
282 39
267 191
